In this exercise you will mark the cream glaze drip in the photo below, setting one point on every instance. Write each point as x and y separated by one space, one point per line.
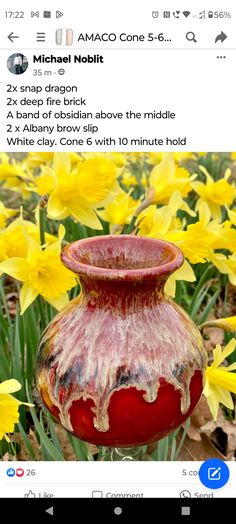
101 342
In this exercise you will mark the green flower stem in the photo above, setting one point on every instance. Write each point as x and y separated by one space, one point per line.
42 312
209 323
144 204
131 225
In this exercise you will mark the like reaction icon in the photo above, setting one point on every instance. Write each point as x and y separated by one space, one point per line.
11 472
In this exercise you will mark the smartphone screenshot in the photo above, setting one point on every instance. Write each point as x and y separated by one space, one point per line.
117 259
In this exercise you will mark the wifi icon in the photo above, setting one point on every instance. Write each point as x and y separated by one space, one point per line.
186 13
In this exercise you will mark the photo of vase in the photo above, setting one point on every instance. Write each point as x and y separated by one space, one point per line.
122 365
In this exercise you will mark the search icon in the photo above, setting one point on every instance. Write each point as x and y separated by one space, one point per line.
190 36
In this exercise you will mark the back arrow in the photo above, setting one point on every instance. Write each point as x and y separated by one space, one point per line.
221 37
11 36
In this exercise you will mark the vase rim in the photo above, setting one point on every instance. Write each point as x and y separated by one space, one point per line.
131 258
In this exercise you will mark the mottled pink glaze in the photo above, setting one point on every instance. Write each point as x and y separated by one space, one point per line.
122 364
124 257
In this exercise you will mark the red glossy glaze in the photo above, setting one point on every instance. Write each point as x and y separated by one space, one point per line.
122 365
132 419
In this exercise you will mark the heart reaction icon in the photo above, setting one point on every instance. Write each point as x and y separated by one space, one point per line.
19 472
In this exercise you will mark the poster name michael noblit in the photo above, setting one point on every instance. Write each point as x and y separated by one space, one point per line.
69 59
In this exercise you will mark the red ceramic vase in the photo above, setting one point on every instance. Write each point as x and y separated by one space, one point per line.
122 365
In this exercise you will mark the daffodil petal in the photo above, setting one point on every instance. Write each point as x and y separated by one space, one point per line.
170 286
221 377
225 397
16 267
228 323
9 414
231 215
27 295
10 386
34 249
55 207
185 272
185 207
232 367
175 202
55 247
59 302
213 406
61 232
220 356
217 352
204 212
209 178
84 214
62 163
228 349
228 173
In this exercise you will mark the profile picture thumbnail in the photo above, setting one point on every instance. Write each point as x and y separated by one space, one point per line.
17 63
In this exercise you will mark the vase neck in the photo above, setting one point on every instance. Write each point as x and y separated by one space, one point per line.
127 295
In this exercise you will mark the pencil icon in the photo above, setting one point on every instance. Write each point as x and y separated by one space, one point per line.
214 473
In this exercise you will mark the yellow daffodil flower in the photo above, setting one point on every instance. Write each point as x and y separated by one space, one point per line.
136 157
228 323
119 211
5 214
14 175
232 215
9 407
80 192
117 158
215 194
34 160
177 203
157 222
13 241
185 272
42 273
220 381
167 177
219 235
230 268
154 158
43 184
194 242
183 155
200 239
144 180
226 265
128 180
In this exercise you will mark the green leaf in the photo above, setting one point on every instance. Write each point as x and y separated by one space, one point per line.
54 437
204 315
44 439
80 448
186 427
27 442
193 310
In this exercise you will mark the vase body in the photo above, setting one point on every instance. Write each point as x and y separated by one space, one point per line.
122 365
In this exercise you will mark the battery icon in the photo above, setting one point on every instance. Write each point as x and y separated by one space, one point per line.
64 37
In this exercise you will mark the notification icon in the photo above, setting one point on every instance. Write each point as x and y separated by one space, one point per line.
20 472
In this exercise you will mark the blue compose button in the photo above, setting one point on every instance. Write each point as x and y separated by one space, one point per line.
214 473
